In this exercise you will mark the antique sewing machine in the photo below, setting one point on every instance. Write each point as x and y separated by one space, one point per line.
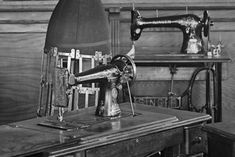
190 24
194 29
110 78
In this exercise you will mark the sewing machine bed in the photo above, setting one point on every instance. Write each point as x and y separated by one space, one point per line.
86 119
179 58
27 137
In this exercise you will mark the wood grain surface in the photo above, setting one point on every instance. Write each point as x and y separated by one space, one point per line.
23 26
155 128
20 75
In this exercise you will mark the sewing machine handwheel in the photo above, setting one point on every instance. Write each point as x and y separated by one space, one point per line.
128 66
207 23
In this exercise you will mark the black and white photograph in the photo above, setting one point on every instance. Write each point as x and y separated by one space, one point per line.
117 78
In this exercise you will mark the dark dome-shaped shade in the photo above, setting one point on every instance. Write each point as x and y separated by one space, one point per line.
78 24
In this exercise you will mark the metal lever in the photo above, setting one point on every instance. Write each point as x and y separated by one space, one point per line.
60 114
171 93
129 93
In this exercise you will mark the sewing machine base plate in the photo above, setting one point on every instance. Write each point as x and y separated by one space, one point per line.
79 123
62 125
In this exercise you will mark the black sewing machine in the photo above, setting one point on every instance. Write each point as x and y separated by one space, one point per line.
191 26
110 77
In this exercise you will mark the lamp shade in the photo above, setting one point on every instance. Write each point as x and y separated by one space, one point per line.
78 24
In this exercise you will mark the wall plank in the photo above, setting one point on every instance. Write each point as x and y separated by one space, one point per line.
20 60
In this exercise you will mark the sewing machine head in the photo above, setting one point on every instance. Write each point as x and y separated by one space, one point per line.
110 77
191 26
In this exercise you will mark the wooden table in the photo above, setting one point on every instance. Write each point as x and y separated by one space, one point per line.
152 129
221 139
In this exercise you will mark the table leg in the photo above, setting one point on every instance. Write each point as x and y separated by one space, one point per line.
218 95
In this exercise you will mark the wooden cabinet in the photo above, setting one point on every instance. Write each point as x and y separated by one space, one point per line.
153 130
195 140
141 146
221 139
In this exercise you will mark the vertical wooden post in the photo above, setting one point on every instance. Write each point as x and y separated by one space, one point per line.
114 19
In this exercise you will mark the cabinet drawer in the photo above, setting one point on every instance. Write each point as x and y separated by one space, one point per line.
195 140
139 146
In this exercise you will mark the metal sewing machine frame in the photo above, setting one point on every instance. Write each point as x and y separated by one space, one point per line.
208 107
192 27
175 101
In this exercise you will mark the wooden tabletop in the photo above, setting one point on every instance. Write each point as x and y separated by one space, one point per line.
27 137
181 58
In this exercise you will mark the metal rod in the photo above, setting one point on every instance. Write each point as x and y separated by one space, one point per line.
129 92
42 85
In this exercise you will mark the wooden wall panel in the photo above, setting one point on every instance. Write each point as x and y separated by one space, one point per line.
23 27
20 60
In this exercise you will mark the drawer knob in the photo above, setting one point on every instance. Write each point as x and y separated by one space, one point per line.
197 140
